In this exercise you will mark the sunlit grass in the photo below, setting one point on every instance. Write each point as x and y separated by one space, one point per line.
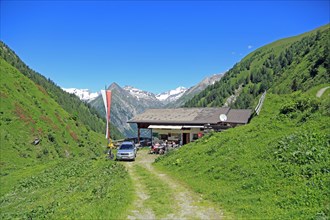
85 189
275 167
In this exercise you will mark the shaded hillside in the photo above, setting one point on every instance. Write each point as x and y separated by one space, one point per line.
62 175
276 167
296 63
80 110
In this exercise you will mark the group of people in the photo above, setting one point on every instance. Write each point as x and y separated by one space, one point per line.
161 147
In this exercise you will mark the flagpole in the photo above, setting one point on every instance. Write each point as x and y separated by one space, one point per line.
110 144
106 95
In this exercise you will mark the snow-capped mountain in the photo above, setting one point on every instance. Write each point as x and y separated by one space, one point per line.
83 94
130 101
172 95
140 94
125 104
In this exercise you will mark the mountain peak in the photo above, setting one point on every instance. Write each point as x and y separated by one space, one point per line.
210 80
114 86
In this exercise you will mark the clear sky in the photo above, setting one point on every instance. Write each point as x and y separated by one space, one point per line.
152 45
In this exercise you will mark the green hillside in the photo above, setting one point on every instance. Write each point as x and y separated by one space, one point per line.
28 112
276 167
282 67
65 175
69 102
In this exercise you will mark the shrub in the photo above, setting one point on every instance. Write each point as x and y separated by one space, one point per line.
51 137
302 104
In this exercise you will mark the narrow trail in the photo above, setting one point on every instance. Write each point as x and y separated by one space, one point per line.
188 204
321 91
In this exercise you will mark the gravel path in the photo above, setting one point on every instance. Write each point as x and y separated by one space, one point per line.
189 204
321 91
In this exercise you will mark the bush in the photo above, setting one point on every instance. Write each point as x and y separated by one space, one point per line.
51 137
302 104
303 148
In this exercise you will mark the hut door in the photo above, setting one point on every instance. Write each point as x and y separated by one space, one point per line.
186 138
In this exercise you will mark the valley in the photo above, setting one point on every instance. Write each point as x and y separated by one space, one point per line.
274 167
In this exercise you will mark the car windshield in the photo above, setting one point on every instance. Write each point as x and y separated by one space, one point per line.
126 147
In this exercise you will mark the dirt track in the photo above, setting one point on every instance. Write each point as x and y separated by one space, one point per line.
321 91
189 204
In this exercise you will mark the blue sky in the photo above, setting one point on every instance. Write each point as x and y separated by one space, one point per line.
152 45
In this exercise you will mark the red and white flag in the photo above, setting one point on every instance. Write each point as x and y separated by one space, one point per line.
106 95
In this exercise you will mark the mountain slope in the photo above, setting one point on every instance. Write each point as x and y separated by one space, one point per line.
194 90
71 103
61 176
28 112
296 63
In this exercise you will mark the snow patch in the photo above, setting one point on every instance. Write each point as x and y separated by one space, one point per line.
139 94
83 94
171 95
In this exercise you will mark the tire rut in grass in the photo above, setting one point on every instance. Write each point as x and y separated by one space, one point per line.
140 211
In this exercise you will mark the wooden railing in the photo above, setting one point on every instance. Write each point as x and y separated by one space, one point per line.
261 101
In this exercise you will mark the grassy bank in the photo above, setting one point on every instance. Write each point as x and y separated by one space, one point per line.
84 189
276 167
